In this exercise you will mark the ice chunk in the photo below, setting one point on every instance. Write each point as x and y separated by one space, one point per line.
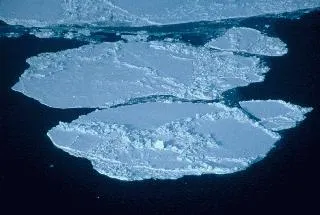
248 40
275 114
99 75
165 141
139 12
159 144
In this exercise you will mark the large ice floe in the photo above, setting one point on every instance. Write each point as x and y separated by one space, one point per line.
161 111
166 141
117 72
139 12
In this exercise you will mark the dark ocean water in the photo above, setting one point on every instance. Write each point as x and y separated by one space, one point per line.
36 176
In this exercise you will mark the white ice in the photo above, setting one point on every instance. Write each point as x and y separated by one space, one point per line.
157 140
250 41
139 12
165 141
275 114
100 75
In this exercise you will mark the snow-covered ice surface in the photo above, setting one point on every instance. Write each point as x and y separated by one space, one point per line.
139 12
161 111
250 41
105 74
170 140
165 141
275 114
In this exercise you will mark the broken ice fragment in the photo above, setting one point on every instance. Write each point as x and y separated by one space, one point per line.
158 144
250 41
275 114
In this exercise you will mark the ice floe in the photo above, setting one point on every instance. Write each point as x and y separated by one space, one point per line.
165 141
250 41
275 114
139 12
100 75
170 140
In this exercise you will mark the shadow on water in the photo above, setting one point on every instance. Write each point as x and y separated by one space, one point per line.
36 175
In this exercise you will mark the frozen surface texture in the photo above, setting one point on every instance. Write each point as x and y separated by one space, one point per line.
139 12
160 140
170 140
165 141
105 74
250 41
275 114
161 109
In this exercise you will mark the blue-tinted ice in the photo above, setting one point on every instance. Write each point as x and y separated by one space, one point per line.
148 124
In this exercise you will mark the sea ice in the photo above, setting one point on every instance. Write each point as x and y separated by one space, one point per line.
139 12
165 141
170 140
129 139
275 114
100 75
250 41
